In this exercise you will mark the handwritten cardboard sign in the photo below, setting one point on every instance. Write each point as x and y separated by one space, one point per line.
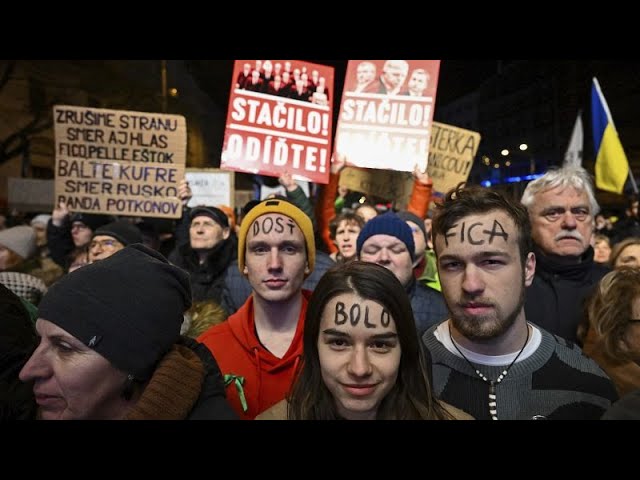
392 186
451 156
119 162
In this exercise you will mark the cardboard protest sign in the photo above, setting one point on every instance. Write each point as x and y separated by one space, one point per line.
451 156
211 187
31 194
280 119
119 162
392 186
386 113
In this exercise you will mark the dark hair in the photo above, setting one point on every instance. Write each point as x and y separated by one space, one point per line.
463 201
411 397
350 217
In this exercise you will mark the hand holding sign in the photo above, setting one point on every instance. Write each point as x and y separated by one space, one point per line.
184 192
338 162
420 176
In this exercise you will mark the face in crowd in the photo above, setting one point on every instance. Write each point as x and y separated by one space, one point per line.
71 380
359 363
391 253
629 256
275 257
81 234
601 249
482 275
562 221
103 246
205 233
346 236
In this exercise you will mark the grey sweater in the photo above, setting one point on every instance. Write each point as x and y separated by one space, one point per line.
557 382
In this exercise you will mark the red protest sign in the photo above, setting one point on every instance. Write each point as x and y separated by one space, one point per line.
386 113
280 119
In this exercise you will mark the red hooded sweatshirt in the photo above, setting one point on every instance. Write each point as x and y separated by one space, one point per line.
248 368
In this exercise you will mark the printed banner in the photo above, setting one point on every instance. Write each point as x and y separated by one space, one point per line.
280 119
119 162
386 113
451 156
211 187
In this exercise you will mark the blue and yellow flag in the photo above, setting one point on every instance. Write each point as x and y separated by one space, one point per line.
612 167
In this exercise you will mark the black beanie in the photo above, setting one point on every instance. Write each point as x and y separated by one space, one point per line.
213 213
128 307
126 233
91 220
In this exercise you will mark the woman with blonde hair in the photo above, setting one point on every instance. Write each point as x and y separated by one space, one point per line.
626 253
612 336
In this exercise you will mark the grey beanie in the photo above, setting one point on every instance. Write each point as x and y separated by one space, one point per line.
20 239
128 307
413 218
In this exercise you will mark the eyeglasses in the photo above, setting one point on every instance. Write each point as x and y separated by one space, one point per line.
79 226
104 244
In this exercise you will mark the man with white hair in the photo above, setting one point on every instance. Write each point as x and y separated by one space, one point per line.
562 207
394 73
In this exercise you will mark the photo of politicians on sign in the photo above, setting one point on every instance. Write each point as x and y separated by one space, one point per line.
280 119
386 113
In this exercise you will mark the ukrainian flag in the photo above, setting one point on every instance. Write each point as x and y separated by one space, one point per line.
612 167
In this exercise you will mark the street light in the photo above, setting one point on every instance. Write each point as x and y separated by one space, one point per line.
523 147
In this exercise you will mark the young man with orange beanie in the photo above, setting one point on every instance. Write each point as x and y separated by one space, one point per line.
259 347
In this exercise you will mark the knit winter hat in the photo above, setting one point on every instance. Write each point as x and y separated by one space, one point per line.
387 224
128 307
91 220
20 240
413 218
126 233
283 207
43 218
214 213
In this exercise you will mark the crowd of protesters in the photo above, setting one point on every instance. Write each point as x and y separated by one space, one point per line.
279 308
